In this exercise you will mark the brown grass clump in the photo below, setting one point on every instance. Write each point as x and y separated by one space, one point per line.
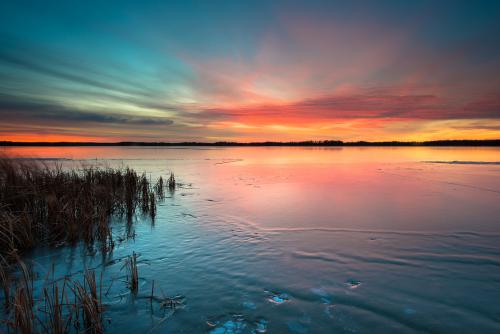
23 303
23 312
56 301
5 281
42 205
160 188
69 304
55 312
132 273
152 205
89 301
171 182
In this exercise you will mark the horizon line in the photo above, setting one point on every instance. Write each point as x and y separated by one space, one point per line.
457 142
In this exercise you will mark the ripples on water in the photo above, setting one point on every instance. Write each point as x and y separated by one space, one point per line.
290 240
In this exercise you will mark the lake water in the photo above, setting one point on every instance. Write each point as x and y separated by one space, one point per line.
303 240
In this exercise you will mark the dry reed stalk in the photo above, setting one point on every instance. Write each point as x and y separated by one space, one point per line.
23 302
152 205
5 281
90 304
132 273
23 312
54 309
159 188
171 182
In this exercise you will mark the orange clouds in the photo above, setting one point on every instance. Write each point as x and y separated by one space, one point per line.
35 137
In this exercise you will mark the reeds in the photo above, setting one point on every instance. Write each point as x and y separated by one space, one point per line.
73 305
132 273
43 205
23 302
152 205
160 188
89 301
171 182
23 312
5 281
58 320
55 312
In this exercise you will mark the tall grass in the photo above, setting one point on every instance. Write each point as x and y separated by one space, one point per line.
5 281
55 312
160 188
90 303
73 305
132 273
171 182
23 302
43 205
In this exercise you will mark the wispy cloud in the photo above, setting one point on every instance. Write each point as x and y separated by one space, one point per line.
13 110
383 105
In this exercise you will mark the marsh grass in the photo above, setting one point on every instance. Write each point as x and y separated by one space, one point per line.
171 182
58 319
23 315
152 205
51 205
5 281
88 300
132 273
72 304
53 311
160 188
23 312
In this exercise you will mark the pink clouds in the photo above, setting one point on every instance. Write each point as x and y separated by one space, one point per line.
333 67
364 105
328 73
324 79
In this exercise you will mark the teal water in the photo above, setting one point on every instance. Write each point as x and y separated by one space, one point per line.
302 240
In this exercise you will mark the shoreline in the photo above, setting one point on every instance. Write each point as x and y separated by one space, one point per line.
326 143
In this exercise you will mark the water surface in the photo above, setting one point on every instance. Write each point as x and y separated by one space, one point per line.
304 240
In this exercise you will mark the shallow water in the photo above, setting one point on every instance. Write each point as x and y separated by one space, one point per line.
304 240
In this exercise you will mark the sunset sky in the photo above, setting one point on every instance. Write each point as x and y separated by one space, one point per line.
249 70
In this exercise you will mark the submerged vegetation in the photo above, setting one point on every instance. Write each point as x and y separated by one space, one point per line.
41 205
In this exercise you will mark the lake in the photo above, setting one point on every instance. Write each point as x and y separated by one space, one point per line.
301 240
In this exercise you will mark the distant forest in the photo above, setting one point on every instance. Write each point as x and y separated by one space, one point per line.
493 142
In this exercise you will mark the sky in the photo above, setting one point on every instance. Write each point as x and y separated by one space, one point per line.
249 70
